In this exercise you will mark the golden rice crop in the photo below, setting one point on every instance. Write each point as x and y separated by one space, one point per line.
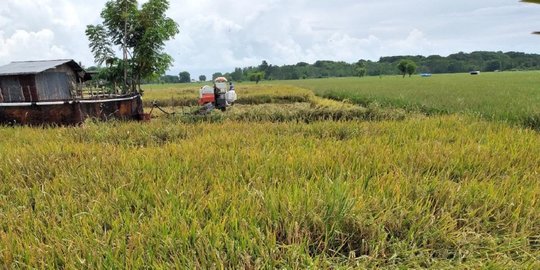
188 94
441 192
268 103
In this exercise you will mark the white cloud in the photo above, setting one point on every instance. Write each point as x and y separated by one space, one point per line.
30 45
221 35
415 43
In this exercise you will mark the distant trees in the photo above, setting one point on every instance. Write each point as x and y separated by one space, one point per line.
256 77
263 67
360 69
407 67
237 75
202 78
217 75
169 79
185 77
454 63
493 65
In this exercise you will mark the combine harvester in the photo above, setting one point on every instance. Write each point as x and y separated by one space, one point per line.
221 96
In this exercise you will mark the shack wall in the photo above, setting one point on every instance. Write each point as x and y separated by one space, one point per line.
18 88
60 83
53 86
71 74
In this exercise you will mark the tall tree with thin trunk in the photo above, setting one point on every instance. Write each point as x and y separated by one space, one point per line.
140 33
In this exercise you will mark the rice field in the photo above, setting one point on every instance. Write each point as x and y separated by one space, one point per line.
179 95
512 97
285 179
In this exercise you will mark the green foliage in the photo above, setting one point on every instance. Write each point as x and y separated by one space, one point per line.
216 75
411 68
406 67
237 75
493 65
454 63
361 69
202 78
256 76
110 77
100 43
119 15
156 29
185 77
142 32
169 79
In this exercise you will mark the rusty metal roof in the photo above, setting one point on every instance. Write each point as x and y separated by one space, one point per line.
35 67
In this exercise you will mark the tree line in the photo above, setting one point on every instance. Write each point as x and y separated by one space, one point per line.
393 65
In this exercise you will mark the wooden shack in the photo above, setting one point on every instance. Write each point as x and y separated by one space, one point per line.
50 92
34 81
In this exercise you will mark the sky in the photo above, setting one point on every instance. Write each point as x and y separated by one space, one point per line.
217 36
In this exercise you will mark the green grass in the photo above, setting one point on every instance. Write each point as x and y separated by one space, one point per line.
508 96
441 192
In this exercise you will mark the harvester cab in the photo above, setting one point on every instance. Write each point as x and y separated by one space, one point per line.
221 96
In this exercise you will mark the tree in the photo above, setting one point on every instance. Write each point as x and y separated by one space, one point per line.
139 33
217 75
185 77
493 65
263 67
169 79
154 28
237 74
360 69
256 77
407 67
402 66
202 78
100 44
411 68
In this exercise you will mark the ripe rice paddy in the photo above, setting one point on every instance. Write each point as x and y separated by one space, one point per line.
276 182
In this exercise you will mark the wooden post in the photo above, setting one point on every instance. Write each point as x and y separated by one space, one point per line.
124 47
22 94
80 88
29 92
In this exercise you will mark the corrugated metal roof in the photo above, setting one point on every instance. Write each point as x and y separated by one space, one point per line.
34 67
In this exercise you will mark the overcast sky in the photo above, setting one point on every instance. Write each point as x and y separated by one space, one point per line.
220 35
